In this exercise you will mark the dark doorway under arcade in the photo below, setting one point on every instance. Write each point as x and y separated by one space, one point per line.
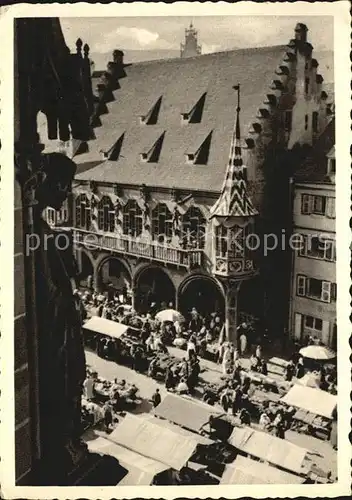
204 295
114 276
154 286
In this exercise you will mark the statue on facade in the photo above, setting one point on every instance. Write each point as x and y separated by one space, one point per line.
62 368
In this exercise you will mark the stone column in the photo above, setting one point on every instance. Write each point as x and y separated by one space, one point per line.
96 278
231 299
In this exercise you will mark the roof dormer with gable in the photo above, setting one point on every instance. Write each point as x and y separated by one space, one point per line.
186 101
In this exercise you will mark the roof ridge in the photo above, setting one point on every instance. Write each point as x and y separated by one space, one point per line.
187 59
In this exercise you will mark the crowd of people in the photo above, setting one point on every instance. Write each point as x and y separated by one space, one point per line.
148 353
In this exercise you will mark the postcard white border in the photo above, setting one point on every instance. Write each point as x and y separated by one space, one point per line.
340 12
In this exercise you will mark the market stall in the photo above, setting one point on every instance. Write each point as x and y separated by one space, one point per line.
140 470
106 327
277 366
153 441
315 409
185 412
270 449
243 470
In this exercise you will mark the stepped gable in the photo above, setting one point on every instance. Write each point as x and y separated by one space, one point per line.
180 83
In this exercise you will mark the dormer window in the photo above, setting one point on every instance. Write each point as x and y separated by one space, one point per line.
114 152
196 113
152 156
151 118
200 157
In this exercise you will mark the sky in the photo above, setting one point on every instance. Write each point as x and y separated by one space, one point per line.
216 33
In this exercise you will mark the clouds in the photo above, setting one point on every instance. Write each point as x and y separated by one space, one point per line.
216 33
127 37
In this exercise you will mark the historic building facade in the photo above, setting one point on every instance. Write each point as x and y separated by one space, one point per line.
313 300
143 208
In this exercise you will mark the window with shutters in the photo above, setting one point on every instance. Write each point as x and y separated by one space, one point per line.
106 215
301 285
82 212
330 208
326 291
319 205
318 248
306 204
314 288
333 292
161 222
132 219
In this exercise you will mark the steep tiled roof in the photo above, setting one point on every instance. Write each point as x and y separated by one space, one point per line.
180 83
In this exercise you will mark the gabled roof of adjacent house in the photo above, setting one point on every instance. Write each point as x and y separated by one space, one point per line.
180 83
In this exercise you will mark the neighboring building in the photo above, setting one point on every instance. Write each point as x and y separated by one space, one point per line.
191 48
313 302
144 206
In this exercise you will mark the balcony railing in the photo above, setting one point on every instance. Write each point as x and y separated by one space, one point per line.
139 248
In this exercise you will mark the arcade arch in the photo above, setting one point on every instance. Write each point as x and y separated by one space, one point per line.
203 293
153 285
114 276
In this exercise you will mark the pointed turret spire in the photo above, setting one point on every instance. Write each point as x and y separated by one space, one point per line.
234 200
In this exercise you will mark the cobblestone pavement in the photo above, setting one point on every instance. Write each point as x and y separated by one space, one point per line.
324 456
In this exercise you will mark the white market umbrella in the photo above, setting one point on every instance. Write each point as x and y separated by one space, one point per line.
318 352
169 315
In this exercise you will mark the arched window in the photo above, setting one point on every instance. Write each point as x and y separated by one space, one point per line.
106 215
63 214
221 241
132 219
161 221
82 212
193 226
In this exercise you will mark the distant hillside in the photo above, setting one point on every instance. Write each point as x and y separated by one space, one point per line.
325 59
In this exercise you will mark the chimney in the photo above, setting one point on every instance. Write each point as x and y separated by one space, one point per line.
301 31
118 57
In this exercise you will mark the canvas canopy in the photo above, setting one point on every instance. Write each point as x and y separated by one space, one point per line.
313 400
105 327
150 440
192 415
141 470
246 471
269 448
180 430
